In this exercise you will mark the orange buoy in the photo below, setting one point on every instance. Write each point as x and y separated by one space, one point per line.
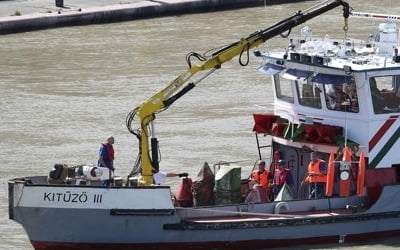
345 173
361 175
330 175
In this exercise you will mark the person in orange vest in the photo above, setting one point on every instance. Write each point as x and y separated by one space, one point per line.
316 176
261 176
282 176
262 179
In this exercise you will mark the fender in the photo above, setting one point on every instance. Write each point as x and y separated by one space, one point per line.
281 206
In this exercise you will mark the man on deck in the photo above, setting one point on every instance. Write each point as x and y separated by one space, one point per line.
316 176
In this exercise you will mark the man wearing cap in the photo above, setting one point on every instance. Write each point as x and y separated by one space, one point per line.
282 176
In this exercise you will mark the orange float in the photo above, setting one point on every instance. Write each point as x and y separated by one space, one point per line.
361 175
330 175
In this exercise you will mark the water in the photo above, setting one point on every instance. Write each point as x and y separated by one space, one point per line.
63 91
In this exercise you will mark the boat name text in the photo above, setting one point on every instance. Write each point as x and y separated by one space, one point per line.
71 197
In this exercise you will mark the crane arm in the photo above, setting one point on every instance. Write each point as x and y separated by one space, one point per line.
175 89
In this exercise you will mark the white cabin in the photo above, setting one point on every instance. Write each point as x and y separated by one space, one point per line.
340 91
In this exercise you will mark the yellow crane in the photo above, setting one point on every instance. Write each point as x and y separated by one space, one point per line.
147 162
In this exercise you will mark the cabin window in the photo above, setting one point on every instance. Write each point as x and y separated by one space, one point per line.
283 89
342 96
308 93
385 93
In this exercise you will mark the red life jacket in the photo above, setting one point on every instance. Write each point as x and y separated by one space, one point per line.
110 151
281 176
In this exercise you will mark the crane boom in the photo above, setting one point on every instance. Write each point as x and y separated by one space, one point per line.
148 164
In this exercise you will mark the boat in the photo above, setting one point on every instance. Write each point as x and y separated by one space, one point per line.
357 137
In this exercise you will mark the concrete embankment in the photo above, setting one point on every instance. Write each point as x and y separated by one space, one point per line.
123 12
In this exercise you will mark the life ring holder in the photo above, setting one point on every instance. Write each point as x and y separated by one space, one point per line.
281 205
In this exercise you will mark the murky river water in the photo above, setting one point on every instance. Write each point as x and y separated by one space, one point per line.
63 91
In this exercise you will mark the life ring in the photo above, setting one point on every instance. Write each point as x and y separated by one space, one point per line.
281 205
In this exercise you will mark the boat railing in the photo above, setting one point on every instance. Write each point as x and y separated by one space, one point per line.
368 15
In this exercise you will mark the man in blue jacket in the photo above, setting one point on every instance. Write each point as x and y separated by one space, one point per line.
106 157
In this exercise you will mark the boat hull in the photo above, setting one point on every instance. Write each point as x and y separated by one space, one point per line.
82 217
249 244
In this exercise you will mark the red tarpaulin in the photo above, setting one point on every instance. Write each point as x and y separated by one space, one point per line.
319 133
263 123
278 129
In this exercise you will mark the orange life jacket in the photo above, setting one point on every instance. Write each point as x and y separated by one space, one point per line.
314 173
261 178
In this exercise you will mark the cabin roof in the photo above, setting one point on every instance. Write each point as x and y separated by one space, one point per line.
380 51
